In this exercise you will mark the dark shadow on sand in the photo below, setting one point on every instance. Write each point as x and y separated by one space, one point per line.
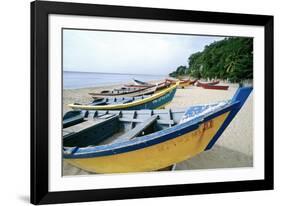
217 157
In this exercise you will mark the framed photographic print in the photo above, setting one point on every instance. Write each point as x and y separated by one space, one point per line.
131 102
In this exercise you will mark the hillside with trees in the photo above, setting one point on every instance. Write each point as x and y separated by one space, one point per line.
229 59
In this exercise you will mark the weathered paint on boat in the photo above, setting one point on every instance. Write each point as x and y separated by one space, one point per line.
162 148
153 102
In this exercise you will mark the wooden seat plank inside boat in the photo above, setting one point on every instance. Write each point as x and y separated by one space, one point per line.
137 130
106 116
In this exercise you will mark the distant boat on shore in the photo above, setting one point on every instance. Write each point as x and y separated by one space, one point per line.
124 92
201 84
138 82
212 85
192 82
159 85
217 87
182 82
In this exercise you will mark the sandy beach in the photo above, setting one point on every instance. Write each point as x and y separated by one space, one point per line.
233 149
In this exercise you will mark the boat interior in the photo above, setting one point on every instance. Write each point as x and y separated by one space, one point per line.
124 90
117 100
91 128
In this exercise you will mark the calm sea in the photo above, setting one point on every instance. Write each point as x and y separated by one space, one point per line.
75 80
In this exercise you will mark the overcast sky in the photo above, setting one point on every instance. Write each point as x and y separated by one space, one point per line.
128 53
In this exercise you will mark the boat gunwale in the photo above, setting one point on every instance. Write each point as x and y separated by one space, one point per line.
147 140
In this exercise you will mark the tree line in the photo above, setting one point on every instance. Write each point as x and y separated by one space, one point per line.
229 59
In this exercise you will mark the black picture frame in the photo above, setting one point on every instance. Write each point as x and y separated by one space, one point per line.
40 113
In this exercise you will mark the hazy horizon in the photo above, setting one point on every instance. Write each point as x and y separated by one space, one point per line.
128 52
110 72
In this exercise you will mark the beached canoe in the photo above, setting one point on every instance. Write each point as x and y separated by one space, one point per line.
192 82
182 82
144 140
124 92
217 87
159 85
162 85
155 101
138 82
201 84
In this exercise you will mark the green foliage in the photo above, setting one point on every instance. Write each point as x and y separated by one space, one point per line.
230 58
181 70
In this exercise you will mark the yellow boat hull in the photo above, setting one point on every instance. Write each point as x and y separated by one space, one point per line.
184 84
156 156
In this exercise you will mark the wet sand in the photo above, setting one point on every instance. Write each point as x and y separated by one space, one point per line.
233 149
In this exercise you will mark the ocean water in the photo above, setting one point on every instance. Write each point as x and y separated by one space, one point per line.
75 80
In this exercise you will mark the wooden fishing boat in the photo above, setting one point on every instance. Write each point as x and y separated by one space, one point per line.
201 84
138 82
155 101
162 85
192 82
144 140
217 87
182 82
124 92
134 86
159 86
